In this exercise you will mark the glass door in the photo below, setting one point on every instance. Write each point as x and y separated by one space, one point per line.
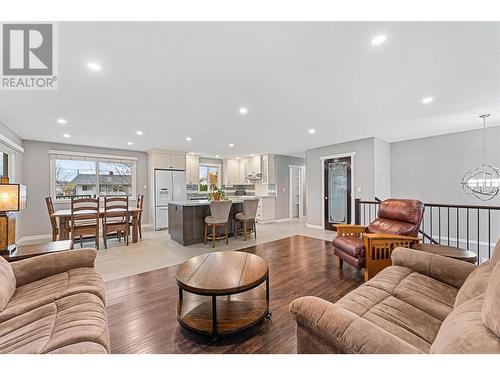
337 191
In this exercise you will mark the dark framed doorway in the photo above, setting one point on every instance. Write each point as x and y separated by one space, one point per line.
337 191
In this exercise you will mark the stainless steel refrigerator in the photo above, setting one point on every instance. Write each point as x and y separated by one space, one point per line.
169 186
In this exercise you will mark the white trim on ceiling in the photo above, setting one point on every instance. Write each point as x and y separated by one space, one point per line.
91 155
10 143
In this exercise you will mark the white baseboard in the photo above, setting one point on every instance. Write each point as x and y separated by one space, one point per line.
314 226
282 220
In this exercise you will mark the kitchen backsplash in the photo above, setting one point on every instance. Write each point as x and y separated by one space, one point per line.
246 190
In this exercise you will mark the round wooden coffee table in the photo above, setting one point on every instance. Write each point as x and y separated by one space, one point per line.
221 293
447 251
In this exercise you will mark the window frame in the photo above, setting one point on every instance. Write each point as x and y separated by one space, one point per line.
96 159
219 173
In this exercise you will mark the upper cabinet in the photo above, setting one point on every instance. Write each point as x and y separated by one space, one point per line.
192 169
234 171
167 160
253 165
268 167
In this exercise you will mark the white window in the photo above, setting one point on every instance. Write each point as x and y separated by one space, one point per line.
209 176
91 175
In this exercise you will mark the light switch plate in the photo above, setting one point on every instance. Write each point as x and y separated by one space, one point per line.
145 187
359 189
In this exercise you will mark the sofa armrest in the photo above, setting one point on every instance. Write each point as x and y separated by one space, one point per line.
40 267
447 270
344 331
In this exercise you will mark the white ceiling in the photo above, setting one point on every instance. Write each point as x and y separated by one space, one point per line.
174 80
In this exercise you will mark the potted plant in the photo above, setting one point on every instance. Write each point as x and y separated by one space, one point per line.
217 195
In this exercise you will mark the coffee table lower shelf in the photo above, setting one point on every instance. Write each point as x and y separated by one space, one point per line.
233 313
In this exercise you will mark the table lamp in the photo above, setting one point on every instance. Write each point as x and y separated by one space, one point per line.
12 199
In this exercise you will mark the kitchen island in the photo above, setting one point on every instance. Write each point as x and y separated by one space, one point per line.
186 219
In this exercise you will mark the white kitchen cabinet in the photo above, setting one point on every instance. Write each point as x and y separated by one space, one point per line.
192 169
242 172
234 172
166 160
268 168
266 210
253 165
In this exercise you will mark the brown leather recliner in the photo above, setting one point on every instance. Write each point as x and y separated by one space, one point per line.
370 247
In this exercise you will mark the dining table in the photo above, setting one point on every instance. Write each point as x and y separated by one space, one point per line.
64 217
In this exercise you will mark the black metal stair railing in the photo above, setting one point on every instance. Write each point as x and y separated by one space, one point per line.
470 227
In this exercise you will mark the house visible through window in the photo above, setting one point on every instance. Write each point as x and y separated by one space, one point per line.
92 178
209 177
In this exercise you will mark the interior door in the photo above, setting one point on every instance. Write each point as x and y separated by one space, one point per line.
337 191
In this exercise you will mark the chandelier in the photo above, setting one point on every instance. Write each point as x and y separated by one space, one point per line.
482 182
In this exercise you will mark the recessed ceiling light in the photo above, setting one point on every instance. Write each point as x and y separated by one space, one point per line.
238 158
139 132
379 39
252 155
67 135
216 156
93 66
231 145
189 139
243 110
130 143
61 121
192 153
311 131
427 100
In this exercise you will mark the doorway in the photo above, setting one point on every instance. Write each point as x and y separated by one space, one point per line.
296 191
337 191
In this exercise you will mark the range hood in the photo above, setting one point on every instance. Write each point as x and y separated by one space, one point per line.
254 176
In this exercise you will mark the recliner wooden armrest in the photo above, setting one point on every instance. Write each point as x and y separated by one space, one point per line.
389 236
349 229
378 250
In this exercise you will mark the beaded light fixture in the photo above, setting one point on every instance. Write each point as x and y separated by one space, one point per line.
482 182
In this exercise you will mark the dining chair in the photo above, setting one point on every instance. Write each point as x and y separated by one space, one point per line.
116 218
140 205
85 219
53 221
219 217
247 217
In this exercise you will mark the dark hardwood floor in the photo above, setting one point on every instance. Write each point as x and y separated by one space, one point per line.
142 308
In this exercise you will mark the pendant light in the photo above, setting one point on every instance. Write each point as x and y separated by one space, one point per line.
483 181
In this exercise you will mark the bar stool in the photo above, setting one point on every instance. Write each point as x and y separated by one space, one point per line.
219 217
248 215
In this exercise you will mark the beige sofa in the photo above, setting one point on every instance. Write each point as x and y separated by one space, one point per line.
53 303
423 303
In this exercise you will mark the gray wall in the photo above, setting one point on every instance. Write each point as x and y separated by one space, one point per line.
431 169
37 180
15 167
283 183
382 169
363 174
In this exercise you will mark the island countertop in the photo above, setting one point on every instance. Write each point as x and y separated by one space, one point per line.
205 202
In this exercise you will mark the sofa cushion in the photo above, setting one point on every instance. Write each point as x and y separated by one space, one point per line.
354 246
7 283
495 255
490 312
475 284
463 331
49 289
70 320
408 305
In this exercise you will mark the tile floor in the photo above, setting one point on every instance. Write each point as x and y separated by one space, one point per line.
156 249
